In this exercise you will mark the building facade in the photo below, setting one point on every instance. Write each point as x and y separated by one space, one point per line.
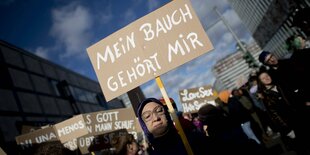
36 92
269 21
232 71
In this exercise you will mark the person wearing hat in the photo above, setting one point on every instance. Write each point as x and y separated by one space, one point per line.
291 75
159 129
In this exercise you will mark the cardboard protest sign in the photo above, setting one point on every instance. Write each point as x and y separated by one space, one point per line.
27 128
88 144
71 144
192 99
110 120
36 137
71 128
2 152
152 45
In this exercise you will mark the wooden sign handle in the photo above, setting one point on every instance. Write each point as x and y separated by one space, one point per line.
174 116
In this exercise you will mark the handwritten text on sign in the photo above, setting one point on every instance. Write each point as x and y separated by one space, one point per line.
99 142
154 44
36 137
71 128
107 121
193 99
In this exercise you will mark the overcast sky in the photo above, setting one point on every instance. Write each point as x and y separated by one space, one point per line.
60 31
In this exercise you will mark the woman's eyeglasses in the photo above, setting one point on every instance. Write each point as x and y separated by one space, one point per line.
148 115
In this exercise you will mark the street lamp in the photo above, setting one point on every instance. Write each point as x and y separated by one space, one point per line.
247 56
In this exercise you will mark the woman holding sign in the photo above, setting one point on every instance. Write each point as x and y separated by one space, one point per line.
159 129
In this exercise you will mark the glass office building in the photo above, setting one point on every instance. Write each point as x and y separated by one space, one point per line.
270 21
36 92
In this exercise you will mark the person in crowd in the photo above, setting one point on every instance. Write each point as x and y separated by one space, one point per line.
194 135
260 108
197 123
233 108
53 148
255 123
188 116
300 49
226 136
222 100
187 125
159 129
297 42
185 119
292 75
284 117
125 145
253 93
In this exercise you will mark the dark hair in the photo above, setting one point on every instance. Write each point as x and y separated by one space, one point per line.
212 116
120 143
260 86
53 148
291 43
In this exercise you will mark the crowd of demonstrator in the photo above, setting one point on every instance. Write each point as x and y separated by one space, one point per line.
273 107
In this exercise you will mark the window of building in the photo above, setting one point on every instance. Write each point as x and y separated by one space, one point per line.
29 102
54 86
64 106
7 101
40 84
62 74
20 79
32 64
86 107
12 57
49 71
80 94
49 105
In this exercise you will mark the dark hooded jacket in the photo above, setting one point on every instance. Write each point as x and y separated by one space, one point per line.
225 135
170 143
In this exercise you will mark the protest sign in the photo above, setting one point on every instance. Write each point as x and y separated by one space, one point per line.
88 144
36 137
71 128
192 99
152 45
2 152
27 128
110 120
71 144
